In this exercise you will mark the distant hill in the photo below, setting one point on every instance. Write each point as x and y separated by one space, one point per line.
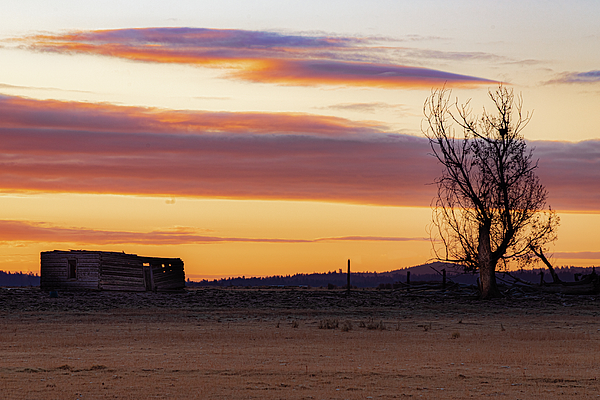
18 279
425 272
334 278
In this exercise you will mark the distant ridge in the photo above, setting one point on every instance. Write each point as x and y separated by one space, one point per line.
19 279
426 269
424 272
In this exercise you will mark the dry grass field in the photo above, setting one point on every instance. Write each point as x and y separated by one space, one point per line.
286 344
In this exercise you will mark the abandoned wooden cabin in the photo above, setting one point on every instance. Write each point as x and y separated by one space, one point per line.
106 270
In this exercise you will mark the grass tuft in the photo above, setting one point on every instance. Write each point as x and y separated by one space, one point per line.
346 326
380 326
328 324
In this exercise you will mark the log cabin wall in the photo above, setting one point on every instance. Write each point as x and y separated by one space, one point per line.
120 271
72 270
101 270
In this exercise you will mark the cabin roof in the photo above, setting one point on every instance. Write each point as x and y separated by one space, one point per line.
113 253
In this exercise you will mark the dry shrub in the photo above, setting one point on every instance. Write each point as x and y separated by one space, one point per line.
380 326
295 324
426 327
328 324
346 326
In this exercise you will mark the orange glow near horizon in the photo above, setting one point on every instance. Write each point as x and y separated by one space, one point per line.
277 237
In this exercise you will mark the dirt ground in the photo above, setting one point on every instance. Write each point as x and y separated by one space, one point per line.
297 344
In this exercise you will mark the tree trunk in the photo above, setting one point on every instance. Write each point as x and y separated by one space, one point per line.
487 266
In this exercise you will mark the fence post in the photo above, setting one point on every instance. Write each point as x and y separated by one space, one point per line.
348 284
444 278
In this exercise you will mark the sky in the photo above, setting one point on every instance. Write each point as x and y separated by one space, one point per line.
254 138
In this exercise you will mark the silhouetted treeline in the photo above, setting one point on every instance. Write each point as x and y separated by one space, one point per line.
338 279
565 274
19 279
328 279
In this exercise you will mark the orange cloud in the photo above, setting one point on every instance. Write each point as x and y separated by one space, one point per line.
26 231
72 147
94 148
256 56
19 112
327 72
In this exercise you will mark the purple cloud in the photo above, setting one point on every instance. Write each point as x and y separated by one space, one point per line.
258 56
578 77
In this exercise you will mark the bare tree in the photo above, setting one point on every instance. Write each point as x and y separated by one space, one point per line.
491 207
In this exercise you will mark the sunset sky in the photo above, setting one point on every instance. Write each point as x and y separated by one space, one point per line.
276 137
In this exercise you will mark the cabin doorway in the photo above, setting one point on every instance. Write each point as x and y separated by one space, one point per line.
72 269
148 281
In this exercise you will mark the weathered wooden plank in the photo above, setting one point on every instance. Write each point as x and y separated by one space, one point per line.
120 268
63 258
123 258
122 283
123 288
65 265
169 282
122 276
124 267
69 286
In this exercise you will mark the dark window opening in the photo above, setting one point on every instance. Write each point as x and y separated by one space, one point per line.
72 270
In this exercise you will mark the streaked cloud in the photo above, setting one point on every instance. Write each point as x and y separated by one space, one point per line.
265 57
578 255
5 86
466 56
12 231
52 146
571 172
577 77
94 148
20 112
366 107
211 98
